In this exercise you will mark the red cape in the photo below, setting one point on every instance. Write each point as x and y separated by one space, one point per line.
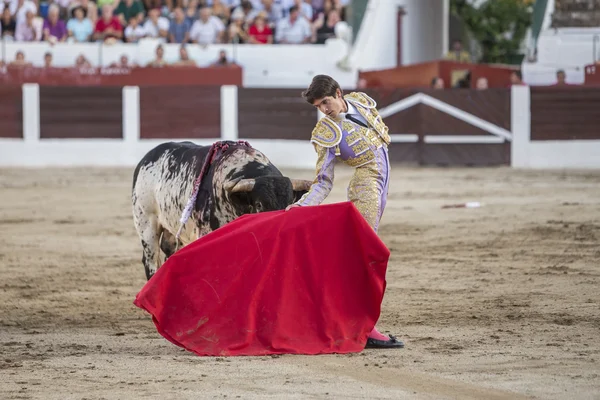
306 281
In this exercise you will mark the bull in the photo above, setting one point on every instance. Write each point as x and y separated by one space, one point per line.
241 180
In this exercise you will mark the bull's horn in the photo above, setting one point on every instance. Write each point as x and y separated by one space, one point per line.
243 185
300 184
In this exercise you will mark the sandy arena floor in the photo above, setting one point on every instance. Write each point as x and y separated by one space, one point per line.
499 302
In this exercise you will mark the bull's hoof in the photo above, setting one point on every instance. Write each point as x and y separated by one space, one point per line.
384 344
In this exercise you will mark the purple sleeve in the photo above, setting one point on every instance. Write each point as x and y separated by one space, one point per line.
323 182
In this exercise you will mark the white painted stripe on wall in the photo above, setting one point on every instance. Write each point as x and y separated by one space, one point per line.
520 111
119 153
31 112
131 114
229 112
404 138
463 139
467 117
421 98
401 105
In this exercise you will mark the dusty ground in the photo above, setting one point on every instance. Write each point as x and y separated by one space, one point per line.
499 302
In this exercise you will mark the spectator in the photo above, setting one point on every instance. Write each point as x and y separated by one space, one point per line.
102 3
236 31
179 29
55 29
464 82
159 61
157 4
561 78
26 30
437 83
457 53
340 6
208 29
221 11
48 60
90 9
259 32
8 24
123 63
244 10
191 12
274 12
63 6
134 31
184 59
325 30
128 9
79 27
293 29
516 78
82 62
18 9
305 9
222 60
20 59
156 26
481 83
108 27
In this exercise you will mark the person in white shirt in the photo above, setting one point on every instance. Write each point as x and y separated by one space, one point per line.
208 29
19 8
293 29
134 32
156 26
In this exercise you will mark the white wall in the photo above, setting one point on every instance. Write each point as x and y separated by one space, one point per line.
283 66
551 154
570 49
424 33
31 151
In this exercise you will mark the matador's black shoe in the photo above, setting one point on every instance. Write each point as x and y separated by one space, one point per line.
384 344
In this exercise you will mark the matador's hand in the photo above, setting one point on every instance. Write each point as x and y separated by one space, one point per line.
291 206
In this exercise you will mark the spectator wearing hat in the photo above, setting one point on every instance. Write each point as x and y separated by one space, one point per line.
79 27
90 8
259 32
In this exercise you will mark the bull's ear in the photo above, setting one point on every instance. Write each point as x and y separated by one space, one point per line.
300 185
243 185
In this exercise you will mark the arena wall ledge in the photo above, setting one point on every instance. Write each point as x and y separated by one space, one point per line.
115 126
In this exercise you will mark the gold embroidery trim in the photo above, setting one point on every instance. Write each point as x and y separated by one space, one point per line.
326 133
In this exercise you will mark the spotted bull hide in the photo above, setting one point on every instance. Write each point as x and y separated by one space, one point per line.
240 181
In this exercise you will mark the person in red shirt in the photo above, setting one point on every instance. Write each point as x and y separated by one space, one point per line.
259 32
108 26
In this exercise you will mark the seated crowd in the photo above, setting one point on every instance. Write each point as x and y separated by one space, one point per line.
172 21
